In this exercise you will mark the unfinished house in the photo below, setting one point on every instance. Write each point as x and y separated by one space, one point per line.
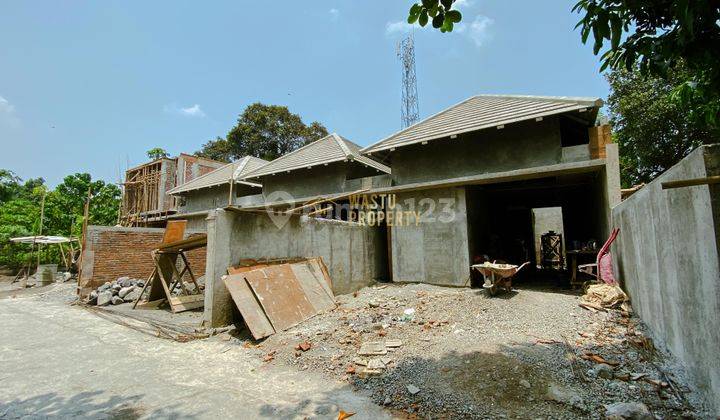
486 178
215 189
490 176
145 200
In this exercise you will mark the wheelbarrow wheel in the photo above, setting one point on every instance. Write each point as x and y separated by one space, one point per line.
492 290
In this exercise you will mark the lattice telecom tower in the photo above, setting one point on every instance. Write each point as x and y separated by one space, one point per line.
409 111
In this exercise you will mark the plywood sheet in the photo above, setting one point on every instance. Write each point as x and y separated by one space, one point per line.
245 269
281 295
313 285
174 231
250 309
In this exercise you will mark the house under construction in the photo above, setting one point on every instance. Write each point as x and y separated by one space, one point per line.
145 199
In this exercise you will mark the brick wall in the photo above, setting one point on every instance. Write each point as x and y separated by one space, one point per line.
112 252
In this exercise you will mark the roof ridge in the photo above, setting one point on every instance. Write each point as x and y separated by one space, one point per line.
341 142
417 123
571 99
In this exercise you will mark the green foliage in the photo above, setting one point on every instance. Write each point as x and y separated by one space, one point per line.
264 131
157 153
439 12
653 132
64 208
660 35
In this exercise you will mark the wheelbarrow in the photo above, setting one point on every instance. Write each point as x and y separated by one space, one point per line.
497 275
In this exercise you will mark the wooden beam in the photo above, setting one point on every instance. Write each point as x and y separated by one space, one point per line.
691 182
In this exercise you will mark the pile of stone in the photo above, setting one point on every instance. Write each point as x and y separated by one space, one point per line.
122 290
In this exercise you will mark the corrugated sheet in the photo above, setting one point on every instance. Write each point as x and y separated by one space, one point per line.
222 175
331 148
479 112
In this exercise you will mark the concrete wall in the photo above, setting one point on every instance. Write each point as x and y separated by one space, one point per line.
355 255
546 219
666 256
205 199
308 182
435 250
521 145
112 252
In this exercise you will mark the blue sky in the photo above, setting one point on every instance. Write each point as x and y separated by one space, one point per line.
90 86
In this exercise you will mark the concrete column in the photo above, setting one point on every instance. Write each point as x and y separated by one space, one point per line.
612 167
218 303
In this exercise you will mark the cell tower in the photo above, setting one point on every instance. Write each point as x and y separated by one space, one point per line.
409 111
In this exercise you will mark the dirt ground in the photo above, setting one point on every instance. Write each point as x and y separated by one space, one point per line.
448 353
525 354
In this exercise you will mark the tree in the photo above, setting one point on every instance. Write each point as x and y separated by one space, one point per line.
653 132
218 149
9 185
661 35
264 131
439 12
157 153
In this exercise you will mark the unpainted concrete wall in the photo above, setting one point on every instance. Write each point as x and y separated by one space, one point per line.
521 145
546 219
436 249
355 255
308 182
666 256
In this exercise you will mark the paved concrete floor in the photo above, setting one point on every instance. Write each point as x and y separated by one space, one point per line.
62 361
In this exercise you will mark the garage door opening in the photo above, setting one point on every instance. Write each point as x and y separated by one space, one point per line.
507 220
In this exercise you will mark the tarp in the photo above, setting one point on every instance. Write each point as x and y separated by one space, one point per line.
42 239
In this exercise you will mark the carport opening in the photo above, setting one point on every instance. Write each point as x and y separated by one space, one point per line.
506 220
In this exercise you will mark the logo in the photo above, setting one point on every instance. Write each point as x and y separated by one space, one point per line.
279 217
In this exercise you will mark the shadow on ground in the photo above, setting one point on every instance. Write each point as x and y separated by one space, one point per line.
91 404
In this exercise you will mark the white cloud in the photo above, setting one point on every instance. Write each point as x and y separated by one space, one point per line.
190 111
5 106
399 27
334 14
8 118
460 4
479 30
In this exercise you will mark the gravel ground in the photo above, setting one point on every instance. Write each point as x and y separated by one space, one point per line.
518 355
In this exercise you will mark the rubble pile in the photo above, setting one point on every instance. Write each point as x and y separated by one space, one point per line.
437 352
122 290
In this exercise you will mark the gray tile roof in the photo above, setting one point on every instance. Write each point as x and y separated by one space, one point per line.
482 111
332 148
222 175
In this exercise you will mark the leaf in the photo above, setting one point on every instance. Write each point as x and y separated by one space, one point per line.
428 4
412 19
434 10
415 9
616 27
447 4
447 26
423 19
438 21
454 16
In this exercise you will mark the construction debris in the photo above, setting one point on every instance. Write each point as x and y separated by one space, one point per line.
274 297
604 296
122 290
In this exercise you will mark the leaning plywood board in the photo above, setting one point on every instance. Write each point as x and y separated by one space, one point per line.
249 307
281 295
311 281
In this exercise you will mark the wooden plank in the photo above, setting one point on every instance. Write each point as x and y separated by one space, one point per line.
175 231
691 182
186 303
250 309
154 304
313 285
280 295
